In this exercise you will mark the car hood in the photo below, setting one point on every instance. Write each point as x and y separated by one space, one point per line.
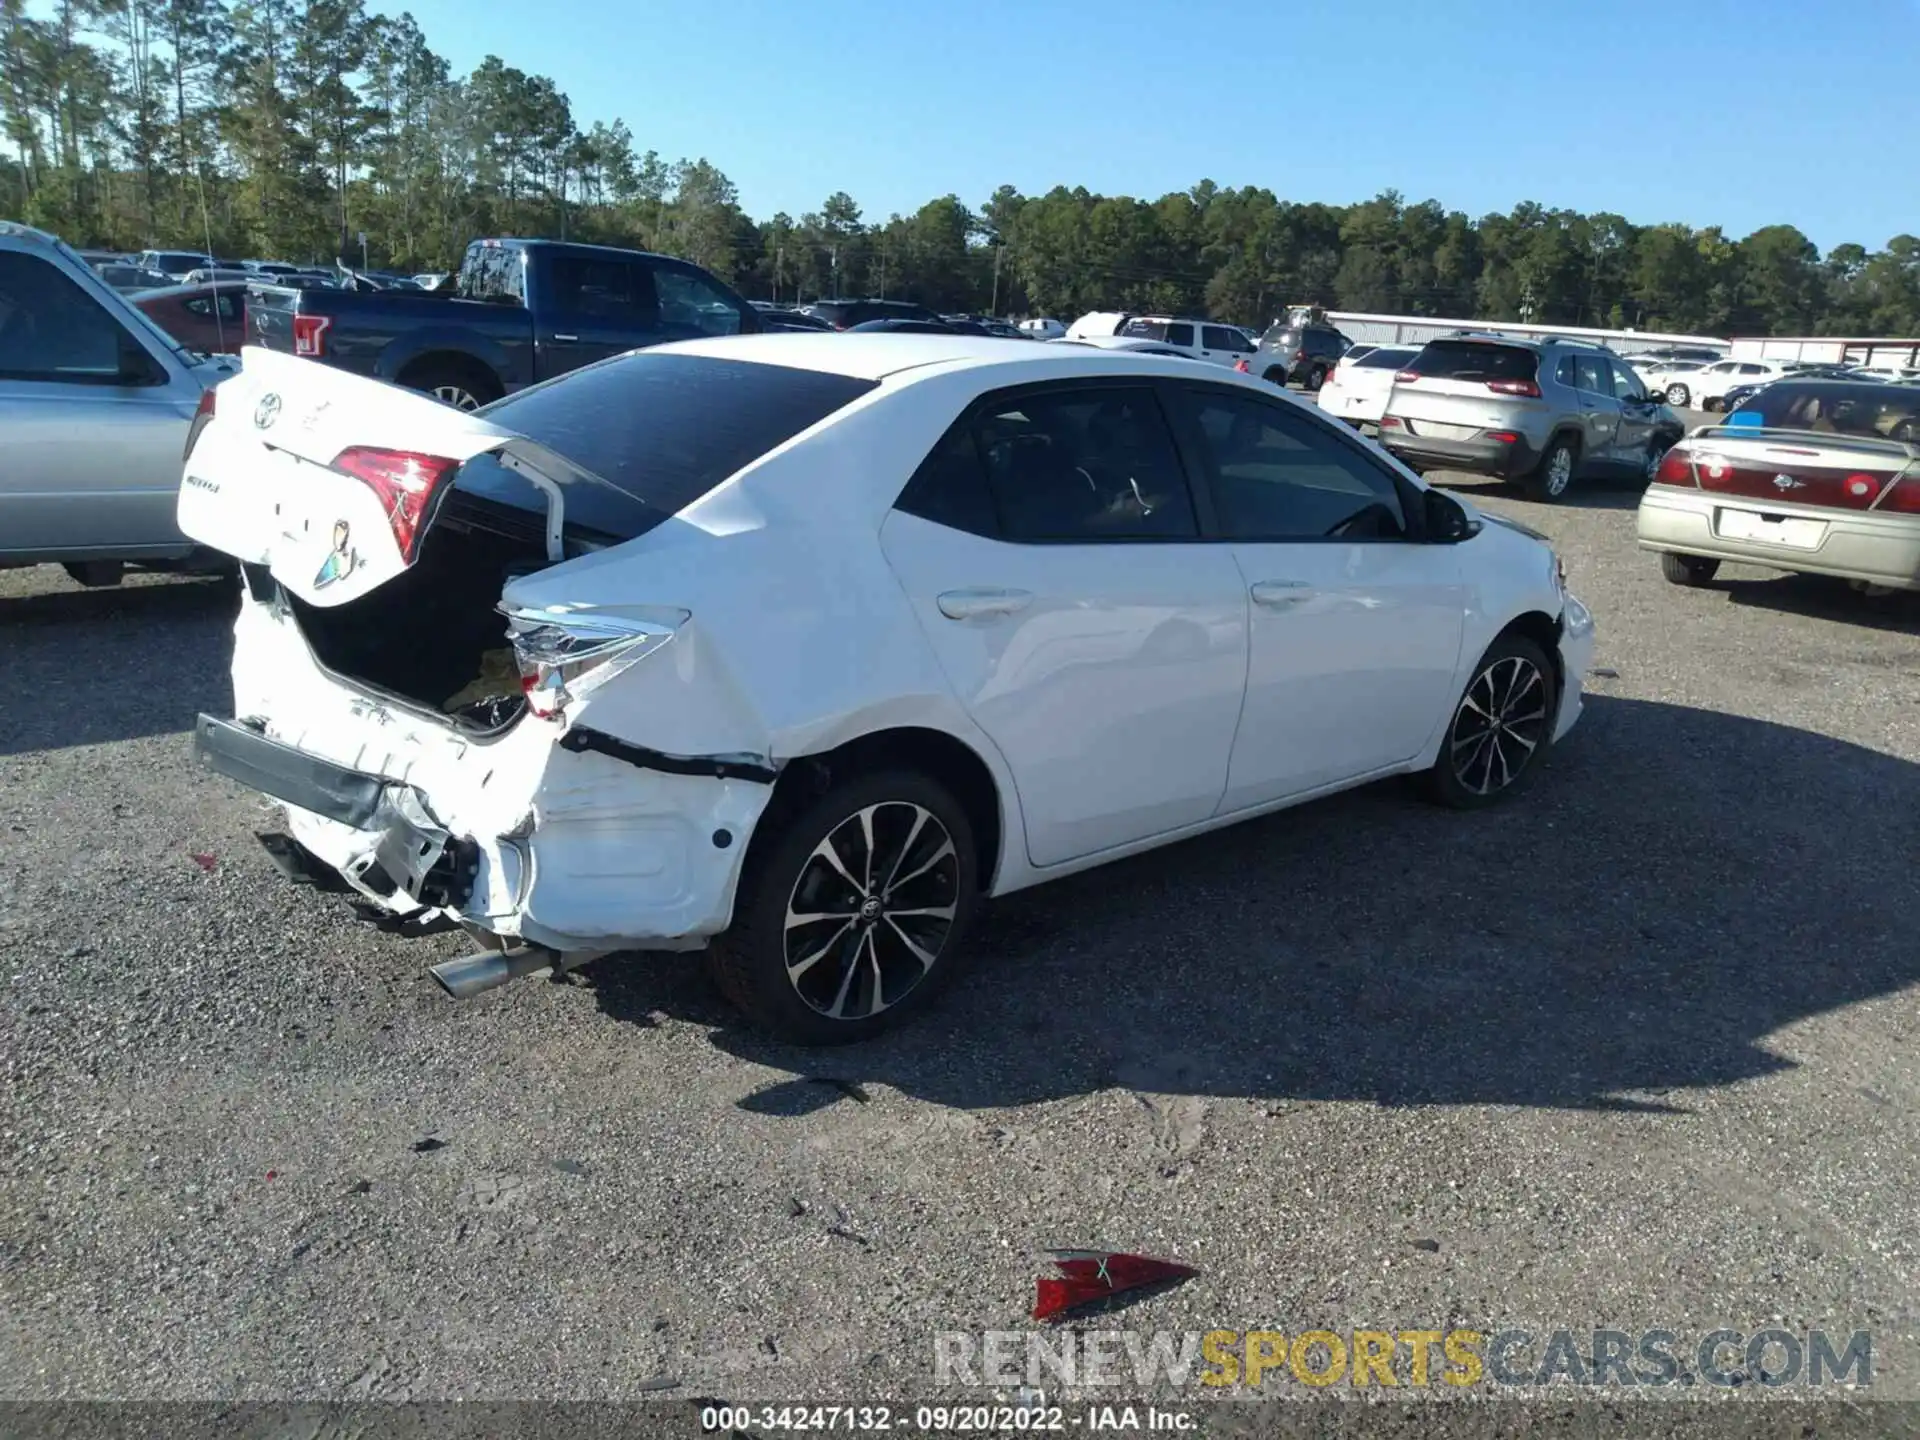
1488 517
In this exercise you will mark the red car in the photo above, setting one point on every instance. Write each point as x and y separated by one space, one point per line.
210 319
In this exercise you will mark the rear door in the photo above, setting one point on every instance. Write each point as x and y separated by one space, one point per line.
1051 550
1223 345
306 468
589 308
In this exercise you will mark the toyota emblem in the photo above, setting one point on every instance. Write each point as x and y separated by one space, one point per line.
267 411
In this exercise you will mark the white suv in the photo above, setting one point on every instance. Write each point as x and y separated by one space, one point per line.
1706 388
1201 339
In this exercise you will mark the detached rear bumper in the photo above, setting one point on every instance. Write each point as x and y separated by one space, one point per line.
407 852
1576 658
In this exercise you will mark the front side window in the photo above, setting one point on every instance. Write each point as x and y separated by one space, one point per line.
1218 337
1279 476
1085 465
693 305
51 329
1626 384
612 291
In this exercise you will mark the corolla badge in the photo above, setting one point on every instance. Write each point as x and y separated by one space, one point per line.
267 411
1787 482
341 561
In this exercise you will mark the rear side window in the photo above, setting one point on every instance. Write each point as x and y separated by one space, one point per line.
1085 465
1590 374
660 431
1475 360
494 273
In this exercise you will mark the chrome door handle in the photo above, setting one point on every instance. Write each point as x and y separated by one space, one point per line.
1277 593
569 338
980 604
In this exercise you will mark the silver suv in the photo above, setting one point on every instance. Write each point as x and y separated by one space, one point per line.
1541 412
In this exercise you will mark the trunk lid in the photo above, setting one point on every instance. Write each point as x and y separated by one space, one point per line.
1797 467
331 480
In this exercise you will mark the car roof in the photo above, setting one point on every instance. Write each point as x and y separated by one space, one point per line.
883 356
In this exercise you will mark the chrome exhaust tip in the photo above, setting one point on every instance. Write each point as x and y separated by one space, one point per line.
472 975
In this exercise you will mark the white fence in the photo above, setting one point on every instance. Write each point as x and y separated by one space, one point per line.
1830 350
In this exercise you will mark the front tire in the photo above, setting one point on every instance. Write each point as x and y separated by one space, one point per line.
1688 569
849 914
1553 476
1501 728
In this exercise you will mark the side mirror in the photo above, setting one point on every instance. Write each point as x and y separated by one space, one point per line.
137 367
1447 520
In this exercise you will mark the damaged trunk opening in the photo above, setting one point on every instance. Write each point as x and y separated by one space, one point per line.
434 635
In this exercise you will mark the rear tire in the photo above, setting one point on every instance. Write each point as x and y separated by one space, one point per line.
1553 476
462 389
1316 377
1276 375
1678 396
892 913
1693 570
1501 728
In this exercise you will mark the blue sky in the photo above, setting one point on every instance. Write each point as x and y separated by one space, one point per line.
1739 113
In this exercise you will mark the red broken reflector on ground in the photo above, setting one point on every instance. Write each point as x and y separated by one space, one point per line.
1089 1275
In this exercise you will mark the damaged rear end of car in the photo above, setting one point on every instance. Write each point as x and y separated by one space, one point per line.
422 681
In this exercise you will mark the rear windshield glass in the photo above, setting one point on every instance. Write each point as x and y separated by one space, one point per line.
660 430
1883 412
1472 360
1145 329
1383 359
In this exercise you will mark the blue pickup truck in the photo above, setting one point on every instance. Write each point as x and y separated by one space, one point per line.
521 311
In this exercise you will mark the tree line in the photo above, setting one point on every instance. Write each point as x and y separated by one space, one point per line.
285 129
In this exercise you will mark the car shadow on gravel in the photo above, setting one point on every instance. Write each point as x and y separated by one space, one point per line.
1585 494
1821 597
1680 886
93 666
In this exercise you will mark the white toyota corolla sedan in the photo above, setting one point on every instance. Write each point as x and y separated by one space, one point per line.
794 647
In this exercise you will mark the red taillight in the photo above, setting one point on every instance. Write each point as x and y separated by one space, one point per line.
404 481
202 417
204 410
1389 422
1298 356
1904 494
310 335
1405 377
1243 367
1675 469
1515 387
1504 437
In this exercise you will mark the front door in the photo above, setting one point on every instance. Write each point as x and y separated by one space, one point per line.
1599 411
1634 436
590 309
1355 625
1051 551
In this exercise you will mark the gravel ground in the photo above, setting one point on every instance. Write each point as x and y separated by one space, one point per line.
1635 1052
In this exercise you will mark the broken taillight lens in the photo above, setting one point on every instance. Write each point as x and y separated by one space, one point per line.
404 480
564 655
